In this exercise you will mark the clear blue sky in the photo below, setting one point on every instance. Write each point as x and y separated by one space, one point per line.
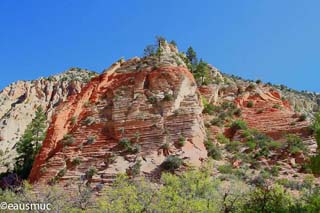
272 40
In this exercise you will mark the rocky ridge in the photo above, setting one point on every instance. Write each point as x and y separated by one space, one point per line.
18 103
136 111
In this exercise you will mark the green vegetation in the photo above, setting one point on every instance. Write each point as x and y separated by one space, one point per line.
191 191
302 117
91 139
91 172
181 141
68 139
250 104
213 150
171 163
127 146
89 120
238 125
76 161
74 120
167 97
30 143
294 144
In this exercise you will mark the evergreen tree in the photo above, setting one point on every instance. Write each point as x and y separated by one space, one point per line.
192 57
315 160
202 72
30 143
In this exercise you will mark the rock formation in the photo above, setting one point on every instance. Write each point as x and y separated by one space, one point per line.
136 111
19 101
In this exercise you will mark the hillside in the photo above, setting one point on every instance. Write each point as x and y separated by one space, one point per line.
164 113
18 103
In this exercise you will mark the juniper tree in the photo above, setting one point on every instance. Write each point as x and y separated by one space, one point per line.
30 143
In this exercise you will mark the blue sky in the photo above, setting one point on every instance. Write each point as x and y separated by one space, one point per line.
272 40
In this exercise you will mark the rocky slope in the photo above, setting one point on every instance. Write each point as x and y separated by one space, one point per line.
19 101
138 111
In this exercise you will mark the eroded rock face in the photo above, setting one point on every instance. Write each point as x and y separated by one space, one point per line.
19 101
271 115
149 103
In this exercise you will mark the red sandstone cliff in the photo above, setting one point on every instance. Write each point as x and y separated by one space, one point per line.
151 106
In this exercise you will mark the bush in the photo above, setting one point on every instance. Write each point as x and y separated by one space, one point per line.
250 104
172 163
89 121
91 172
73 120
135 170
209 109
239 124
315 164
263 199
302 117
217 122
237 112
168 97
275 145
213 150
125 143
152 99
276 106
294 144
225 169
181 141
68 139
222 139
91 139
76 161
251 87
233 146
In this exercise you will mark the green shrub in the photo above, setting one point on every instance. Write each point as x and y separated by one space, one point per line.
276 106
213 150
251 87
181 141
302 117
294 144
73 120
61 173
135 170
91 139
152 99
233 146
239 124
222 139
237 112
209 109
171 163
275 145
68 139
125 143
275 171
168 97
225 169
76 161
91 172
250 104
315 164
251 144
217 122
89 121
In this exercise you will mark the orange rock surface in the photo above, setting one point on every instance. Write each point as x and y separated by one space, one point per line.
149 107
